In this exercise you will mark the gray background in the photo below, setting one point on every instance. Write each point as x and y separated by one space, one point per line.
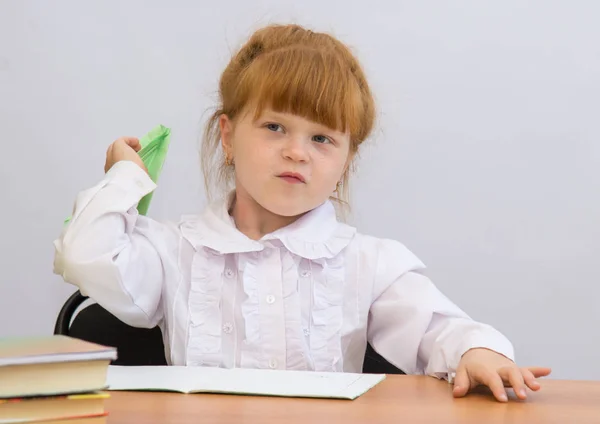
486 159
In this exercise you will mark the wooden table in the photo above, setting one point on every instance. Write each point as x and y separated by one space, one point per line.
398 399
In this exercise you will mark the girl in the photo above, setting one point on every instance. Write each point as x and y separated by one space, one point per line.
267 277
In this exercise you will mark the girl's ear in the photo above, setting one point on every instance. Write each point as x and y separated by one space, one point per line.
226 128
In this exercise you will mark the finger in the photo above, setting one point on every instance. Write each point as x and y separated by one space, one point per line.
462 382
495 383
512 376
530 380
133 142
540 371
108 158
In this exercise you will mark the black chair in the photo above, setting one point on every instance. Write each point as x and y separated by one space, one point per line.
142 346
374 363
135 346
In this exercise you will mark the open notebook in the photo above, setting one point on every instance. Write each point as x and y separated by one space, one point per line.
242 381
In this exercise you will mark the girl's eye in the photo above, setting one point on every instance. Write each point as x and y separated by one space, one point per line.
274 127
322 139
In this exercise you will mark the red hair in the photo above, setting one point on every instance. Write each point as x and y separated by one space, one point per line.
291 69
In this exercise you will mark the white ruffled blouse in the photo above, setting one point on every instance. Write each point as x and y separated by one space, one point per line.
308 296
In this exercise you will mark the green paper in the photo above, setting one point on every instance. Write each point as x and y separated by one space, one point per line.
155 145
153 153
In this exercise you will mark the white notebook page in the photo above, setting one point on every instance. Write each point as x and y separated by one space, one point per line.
242 381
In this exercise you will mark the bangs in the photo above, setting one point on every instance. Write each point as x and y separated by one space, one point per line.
314 84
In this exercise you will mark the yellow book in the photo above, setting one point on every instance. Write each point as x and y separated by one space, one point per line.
67 408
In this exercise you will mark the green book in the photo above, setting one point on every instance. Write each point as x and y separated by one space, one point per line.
154 149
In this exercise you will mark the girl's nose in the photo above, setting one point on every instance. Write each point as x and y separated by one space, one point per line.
296 149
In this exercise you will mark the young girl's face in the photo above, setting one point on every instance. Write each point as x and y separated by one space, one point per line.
286 163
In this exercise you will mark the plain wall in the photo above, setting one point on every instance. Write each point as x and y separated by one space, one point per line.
485 162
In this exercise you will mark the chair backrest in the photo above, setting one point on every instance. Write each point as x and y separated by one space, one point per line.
142 346
374 363
135 346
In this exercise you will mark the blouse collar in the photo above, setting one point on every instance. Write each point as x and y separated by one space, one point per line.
317 234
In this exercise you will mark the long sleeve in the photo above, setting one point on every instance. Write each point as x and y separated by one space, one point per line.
418 329
114 255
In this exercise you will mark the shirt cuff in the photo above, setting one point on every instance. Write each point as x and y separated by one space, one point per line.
131 178
491 340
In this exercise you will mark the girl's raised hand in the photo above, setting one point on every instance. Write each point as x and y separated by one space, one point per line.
125 148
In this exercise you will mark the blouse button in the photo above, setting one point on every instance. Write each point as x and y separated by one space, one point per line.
229 273
270 299
273 363
227 327
306 332
305 274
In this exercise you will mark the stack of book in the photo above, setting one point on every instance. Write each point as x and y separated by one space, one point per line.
55 379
